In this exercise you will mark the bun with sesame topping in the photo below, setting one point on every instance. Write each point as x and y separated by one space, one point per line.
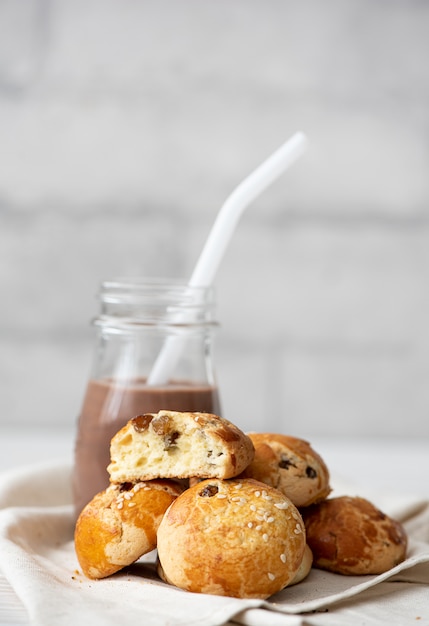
172 444
119 525
350 536
290 465
236 538
304 568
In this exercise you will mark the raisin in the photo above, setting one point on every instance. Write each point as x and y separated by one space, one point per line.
209 491
285 463
170 439
311 472
126 486
141 422
161 424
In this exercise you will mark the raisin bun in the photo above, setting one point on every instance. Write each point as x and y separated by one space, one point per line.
236 538
119 525
349 535
290 465
170 444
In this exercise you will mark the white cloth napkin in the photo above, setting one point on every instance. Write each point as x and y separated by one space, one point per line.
37 558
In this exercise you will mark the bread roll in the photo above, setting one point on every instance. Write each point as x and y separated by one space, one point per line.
290 465
119 525
237 538
349 535
170 444
304 568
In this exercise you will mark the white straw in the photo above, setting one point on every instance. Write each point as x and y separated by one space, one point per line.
220 235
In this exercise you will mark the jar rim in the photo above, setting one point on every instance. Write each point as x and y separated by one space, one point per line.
143 282
156 301
147 287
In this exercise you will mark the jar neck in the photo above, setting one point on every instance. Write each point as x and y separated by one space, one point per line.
155 302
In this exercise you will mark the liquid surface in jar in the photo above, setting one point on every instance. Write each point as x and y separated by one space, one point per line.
108 405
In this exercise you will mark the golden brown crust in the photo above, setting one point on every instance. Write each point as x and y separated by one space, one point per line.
238 538
304 568
349 535
290 465
172 444
119 525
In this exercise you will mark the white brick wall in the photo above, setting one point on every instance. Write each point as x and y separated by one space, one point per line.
123 127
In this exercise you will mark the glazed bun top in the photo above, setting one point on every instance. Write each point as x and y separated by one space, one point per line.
291 465
350 536
119 525
238 538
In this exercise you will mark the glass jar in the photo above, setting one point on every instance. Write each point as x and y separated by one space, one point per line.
153 352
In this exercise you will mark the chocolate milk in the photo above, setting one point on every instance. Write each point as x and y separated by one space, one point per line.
108 406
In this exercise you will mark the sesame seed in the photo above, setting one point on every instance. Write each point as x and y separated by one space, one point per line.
120 505
281 505
258 527
257 494
221 495
270 519
271 576
252 507
260 518
283 558
265 537
238 486
250 524
235 499
130 504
